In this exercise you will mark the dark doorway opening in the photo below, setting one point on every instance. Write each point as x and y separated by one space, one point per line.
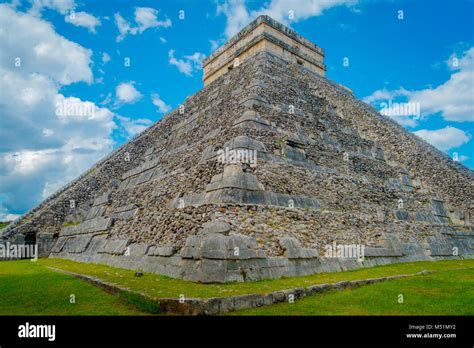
30 241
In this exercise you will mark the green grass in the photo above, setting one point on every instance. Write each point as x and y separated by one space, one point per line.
4 224
29 288
161 286
444 293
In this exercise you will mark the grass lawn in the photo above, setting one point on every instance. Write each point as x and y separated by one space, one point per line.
444 293
29 288
161 286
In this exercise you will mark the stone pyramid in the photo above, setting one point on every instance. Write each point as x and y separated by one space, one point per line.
257 176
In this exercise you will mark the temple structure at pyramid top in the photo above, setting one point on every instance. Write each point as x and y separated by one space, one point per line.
264 34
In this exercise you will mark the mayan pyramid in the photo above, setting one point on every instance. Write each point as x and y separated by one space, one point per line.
256 174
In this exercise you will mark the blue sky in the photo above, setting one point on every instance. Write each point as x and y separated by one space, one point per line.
130 62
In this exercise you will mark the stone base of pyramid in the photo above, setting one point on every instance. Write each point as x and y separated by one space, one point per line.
222 271
215 256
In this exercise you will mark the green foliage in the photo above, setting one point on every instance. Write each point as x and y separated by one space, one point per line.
424 202
280 142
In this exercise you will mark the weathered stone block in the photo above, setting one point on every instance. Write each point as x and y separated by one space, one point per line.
244 301
401 215
115 246
438 208
138 249
162 251
215 227
89 226
125 212
102 199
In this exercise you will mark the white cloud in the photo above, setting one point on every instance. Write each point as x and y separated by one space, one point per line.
159 103
453 99
107 99
183 66
384 95
61 6
383 98
405 121
446 138
47 132
127 93
145 18
123 27
41 50
215 44
5 216
10 217
105 58
83 19
47 138
187 65
238 15
196 58
134 126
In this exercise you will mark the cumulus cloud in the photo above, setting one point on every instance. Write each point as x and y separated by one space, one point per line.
446 138
452 99
134 126
148 18
127 93
385 94
159 103
145 18
388 102
61 6
238 15
83 19
47 138
188 64
40 50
